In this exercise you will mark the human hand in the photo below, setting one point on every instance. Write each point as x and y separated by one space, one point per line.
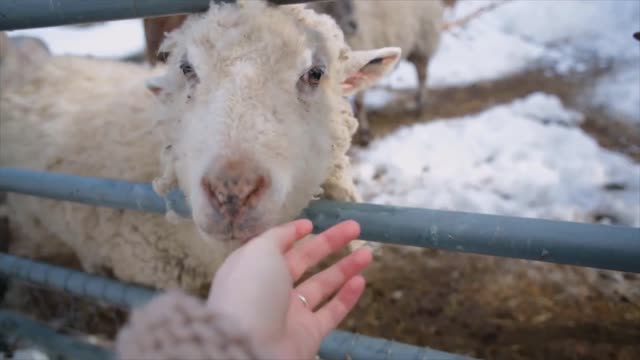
255 287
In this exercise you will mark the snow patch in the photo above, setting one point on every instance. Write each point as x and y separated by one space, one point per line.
112 39
503 161
546 109
619 93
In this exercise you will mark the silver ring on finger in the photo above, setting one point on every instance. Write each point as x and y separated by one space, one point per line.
303 299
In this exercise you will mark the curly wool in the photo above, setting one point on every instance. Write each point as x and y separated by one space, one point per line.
91 117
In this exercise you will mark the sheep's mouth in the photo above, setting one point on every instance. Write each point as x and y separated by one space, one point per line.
217 227
229 233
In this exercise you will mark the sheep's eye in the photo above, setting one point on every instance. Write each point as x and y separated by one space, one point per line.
314 75
186 68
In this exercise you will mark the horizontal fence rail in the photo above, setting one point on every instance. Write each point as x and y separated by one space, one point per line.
74 282
600 246
341 345
24 14
41 336
338 345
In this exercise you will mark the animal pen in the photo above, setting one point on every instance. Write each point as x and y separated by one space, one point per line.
590 245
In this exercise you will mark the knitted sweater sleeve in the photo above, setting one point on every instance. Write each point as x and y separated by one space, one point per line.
177 326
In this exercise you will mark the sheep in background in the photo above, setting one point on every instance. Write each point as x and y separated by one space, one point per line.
342 12
18 51
249 116
414 26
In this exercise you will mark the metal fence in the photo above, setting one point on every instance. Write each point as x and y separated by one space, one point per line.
24 14
603 246
600 246
338 345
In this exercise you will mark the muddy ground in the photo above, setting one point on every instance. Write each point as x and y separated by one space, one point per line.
482 306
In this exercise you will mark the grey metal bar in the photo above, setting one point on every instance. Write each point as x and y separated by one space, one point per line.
24 14
339 345
600 246
75 282
55 345
91 191
591 245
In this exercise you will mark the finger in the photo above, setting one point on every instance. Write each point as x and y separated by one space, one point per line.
330 315
310 253
286 234
324 284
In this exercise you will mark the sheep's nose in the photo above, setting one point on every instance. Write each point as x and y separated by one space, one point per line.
235 190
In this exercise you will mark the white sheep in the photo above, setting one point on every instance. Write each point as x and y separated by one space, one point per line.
249 114
414 26
16 52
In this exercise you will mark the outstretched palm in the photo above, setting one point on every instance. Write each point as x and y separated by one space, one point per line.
295 331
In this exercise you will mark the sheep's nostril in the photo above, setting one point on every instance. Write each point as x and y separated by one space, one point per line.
233 196
253 197
211 193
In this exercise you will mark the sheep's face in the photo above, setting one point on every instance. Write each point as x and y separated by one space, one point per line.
247 101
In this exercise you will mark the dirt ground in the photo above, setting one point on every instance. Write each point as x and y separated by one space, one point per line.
497 308
491 308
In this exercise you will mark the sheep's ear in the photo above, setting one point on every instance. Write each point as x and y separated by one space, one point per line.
155 85
364 68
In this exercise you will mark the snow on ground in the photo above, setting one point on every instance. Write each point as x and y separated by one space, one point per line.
620 93
113 39
519 159
521 33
